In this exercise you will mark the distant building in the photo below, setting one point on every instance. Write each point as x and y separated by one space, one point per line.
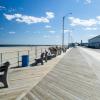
94 42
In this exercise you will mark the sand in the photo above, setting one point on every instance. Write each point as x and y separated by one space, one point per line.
14 54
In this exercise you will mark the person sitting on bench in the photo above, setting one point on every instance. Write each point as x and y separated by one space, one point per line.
46 56
39 60
3 77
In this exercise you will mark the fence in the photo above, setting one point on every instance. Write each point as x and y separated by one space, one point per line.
15 57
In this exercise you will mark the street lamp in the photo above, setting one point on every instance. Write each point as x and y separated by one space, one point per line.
63 25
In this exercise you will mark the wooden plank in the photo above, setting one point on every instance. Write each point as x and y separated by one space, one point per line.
22 80
70 79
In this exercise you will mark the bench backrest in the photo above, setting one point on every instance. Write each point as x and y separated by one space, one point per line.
4 68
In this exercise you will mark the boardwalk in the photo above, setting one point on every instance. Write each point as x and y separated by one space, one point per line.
23 79
71 79
74 76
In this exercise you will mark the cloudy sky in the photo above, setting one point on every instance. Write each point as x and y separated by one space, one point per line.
40 21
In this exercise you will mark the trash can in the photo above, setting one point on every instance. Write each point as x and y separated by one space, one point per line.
25 60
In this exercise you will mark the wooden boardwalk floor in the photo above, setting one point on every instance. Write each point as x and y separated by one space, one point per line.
22 80
70 79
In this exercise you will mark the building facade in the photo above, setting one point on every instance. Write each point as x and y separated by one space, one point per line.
94 42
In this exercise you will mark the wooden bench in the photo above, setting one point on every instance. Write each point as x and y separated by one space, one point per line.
39 60
3 74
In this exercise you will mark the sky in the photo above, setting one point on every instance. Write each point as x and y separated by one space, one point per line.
40 21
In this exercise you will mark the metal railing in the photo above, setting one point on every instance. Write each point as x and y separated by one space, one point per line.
15 57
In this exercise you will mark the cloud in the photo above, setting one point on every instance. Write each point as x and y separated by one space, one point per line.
30 19
89 24
52 31
98 19
50 15
88 1
47 26
12 32
9 17
85 1
66 31
82 22
90 28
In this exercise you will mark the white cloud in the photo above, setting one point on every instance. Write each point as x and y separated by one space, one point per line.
88 1
85 1
12 32
47 26
82 22
30 19
50 15
52 31
98 17
66 31
88 24
90 28
9 17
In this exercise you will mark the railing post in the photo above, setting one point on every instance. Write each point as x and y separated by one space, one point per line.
18 58
35 51
1 58
31 48
28 52
41 50
29 55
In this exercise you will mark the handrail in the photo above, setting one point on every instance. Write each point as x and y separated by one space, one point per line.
16 58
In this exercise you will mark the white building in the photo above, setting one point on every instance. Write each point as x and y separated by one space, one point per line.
94 42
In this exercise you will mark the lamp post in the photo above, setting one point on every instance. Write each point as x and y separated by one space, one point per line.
63 28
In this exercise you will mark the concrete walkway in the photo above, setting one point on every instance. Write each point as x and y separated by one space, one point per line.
71 79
